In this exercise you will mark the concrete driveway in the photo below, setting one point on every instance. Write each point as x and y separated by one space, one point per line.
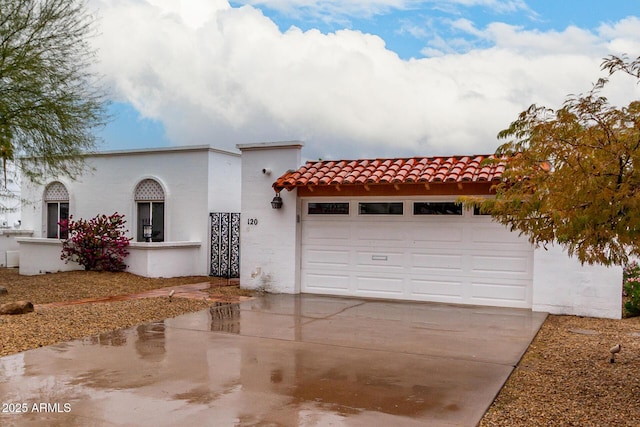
279 360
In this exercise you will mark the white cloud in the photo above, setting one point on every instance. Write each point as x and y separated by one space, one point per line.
500 6
368 8
228 75
333 9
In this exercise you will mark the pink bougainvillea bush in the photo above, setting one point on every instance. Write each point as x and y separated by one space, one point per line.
98 244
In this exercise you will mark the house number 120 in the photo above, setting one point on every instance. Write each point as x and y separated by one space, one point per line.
252 221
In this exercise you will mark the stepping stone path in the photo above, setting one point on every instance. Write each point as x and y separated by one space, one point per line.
193 291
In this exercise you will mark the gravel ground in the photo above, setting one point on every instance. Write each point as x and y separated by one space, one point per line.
52 325
564 379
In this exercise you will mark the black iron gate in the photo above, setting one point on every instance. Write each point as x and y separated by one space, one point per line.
225 244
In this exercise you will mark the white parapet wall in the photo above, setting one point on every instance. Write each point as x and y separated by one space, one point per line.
158 259
165 259
9 247
39 256
562 285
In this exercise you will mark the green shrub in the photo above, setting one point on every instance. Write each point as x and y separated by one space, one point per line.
631 288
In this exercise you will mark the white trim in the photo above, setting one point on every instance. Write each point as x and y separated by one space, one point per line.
164 245
15 232
40 240
269 145
160 150
407 209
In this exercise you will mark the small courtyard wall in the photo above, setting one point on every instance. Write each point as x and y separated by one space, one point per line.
9 246
40 255
562 285
162 259
269 238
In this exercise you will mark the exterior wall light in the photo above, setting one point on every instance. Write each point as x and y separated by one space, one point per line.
276 203
147 230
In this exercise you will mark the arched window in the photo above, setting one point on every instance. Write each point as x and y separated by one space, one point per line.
149 197
56 199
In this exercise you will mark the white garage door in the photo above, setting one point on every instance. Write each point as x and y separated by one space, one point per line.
403 250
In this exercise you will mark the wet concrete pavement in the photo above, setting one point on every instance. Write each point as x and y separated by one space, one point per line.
279 360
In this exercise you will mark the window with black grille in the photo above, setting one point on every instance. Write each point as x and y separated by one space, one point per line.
437 208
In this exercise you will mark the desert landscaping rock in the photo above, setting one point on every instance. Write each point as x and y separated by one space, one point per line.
17 307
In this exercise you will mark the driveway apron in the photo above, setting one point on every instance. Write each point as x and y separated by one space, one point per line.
277 360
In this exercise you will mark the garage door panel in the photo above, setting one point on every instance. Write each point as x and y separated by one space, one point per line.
436 288
434 247
463 259
500 264
379 261
488 236
426 263
322 282
321 233
430 234
389 287
371 234
326 258
499 293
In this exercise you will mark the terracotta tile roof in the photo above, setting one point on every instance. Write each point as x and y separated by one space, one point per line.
392 171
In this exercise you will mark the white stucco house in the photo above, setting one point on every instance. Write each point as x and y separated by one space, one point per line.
375 228
171 189
389 228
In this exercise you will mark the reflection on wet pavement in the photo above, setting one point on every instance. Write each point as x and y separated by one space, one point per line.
150 341
225 317
282 361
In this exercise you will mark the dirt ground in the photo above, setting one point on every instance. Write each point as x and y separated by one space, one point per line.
564 379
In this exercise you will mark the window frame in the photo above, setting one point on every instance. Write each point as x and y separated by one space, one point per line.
59 233
387 208
476 212
458 208
329 213
157 230
151 200
56 209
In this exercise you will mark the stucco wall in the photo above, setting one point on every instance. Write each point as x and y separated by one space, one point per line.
9 246
562 285
224 182
41 255
195 180
161 259
269 238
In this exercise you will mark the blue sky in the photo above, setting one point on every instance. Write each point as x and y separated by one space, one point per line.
407 30
351 78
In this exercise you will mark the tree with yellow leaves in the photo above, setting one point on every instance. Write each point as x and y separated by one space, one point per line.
572 175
